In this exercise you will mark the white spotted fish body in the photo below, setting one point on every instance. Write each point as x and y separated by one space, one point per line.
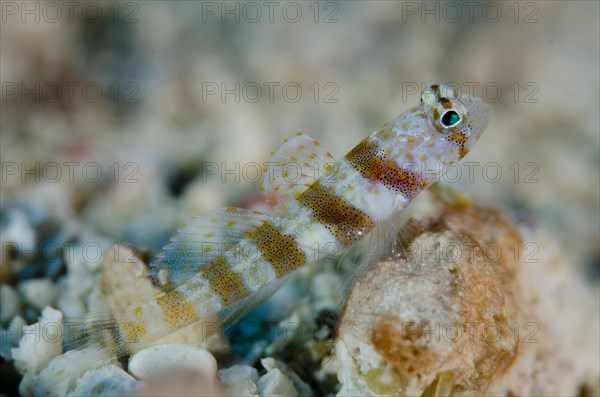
225 261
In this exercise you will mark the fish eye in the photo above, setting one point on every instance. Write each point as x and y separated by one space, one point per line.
450 119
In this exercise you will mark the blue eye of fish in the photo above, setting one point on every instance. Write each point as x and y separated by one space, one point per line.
450 119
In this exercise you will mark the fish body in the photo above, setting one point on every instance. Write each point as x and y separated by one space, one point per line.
226 261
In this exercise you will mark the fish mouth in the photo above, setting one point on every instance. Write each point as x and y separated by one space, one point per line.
479 115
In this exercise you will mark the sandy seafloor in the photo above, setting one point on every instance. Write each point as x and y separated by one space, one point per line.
154 146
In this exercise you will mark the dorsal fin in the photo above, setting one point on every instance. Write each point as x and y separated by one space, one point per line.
298 163
202 241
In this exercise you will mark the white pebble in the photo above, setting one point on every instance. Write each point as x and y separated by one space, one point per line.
69 303
240 380
325 291
109 380
40 342
26 385
63 373
10 302
301 388
11 335
275 383
18 230
39 293
158 360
